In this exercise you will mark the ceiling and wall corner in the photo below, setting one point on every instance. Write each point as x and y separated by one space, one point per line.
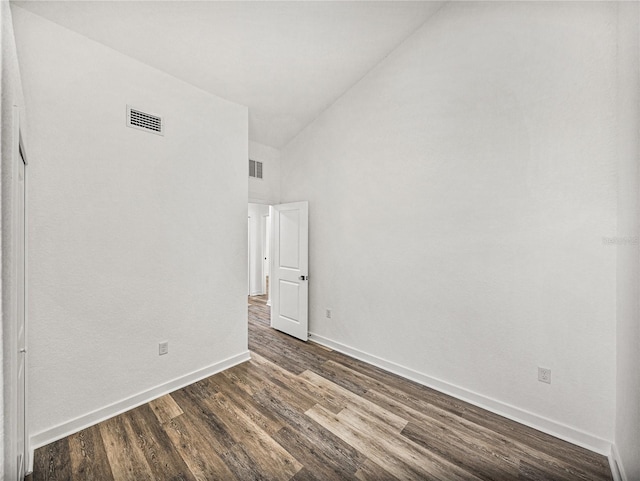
286 61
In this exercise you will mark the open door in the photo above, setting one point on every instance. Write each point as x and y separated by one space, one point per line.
289 273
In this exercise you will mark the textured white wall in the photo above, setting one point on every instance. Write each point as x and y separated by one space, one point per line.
627 430
459 194
135 238
11 95
267 189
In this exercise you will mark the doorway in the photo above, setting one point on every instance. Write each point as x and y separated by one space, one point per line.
258 251
278 264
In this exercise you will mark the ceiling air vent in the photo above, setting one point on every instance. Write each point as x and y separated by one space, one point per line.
255 169
144 121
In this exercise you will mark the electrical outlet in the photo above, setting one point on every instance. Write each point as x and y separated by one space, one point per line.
163 348
544 375
327 313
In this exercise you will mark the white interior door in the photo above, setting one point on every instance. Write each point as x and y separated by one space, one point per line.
289 273
21 318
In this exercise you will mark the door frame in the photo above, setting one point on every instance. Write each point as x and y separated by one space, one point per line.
264 243
256 232
19 154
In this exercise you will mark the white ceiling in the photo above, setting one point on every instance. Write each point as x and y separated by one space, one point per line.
286 61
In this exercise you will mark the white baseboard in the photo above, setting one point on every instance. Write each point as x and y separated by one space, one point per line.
86 420
554 428
617 469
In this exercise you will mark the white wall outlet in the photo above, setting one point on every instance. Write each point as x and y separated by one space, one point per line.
327 313
544 375
163 348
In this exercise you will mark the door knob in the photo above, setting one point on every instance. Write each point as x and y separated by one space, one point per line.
23 349
304 278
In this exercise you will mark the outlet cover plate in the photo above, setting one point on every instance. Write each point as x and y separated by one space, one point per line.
163 348
544 375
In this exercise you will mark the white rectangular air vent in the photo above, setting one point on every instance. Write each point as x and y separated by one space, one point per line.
144 121
255 169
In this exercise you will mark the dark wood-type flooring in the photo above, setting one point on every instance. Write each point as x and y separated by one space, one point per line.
298 411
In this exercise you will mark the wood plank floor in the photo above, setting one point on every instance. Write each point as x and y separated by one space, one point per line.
298 411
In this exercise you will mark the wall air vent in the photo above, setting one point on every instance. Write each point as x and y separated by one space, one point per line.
138 119
255 169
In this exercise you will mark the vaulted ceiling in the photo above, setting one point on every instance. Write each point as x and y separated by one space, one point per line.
286 61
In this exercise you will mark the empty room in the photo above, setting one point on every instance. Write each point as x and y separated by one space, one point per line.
320 240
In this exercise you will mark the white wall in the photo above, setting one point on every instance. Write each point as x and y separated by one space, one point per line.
459 194
135 238
267 189
627 428
256 247
11 96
